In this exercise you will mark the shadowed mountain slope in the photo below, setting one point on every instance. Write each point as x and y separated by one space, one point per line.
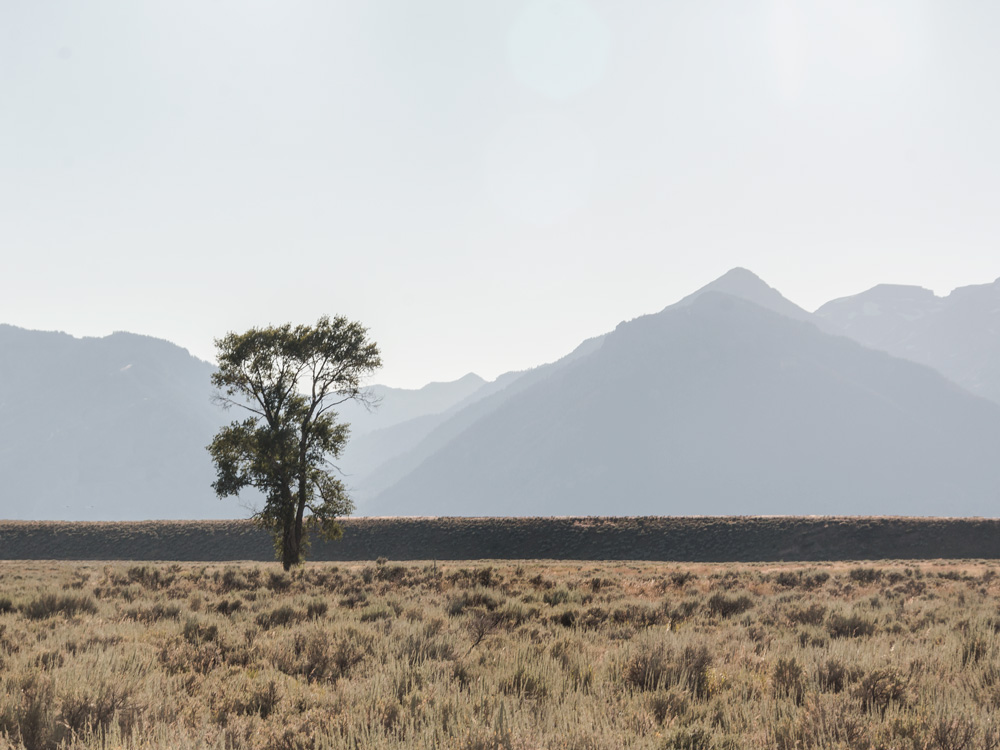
378 460
719 406
395 452
105 428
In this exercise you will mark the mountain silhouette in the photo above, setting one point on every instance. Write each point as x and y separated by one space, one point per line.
405 446
391 406
746 285
958 335
106 428
718 406
384 457
731 401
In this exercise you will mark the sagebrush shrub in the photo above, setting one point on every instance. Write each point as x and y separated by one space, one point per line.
316 609
955 733
666 705
556 597
279 617
879 688
49 605
567 618
150 577
95 707
229 607
639 615
232 579
525 682
849 626
391 573
788 579
469 599
195 632
655 666
593 618
278 582
680 577
692 737
632 661
832 676
787 679
377 612
865 576
814 614
29 714
726 606
153 613
974 647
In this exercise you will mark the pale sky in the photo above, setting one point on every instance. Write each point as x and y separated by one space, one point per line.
483 184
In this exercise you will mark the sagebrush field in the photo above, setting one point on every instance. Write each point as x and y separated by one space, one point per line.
477 656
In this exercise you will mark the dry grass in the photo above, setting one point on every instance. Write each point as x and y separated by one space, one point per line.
479 656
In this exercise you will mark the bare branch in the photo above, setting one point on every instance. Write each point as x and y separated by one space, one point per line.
226 403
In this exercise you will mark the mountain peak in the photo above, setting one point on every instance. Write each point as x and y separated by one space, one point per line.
745 284
739 281
892 302
739 272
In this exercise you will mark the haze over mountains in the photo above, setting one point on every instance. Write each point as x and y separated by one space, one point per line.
748 412
958 335
733 400
105 428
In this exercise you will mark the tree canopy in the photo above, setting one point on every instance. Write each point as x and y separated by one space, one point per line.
289 381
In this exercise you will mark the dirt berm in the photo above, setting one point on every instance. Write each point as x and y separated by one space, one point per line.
682 539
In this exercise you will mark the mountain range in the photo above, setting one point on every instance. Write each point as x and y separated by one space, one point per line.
959 335
105 428
732 401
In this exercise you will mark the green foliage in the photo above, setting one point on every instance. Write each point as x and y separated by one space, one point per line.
289 379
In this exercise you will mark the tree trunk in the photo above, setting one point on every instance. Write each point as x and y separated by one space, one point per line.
300 510
289 546
291 550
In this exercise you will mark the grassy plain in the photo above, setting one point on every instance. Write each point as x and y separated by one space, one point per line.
502 655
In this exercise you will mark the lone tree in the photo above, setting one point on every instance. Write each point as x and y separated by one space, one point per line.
289 380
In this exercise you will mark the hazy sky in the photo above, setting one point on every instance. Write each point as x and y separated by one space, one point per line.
483 184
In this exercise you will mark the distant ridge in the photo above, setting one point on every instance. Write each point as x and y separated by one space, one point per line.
958 335
411 443
396 405
682 539
112 427
733 400
719 405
